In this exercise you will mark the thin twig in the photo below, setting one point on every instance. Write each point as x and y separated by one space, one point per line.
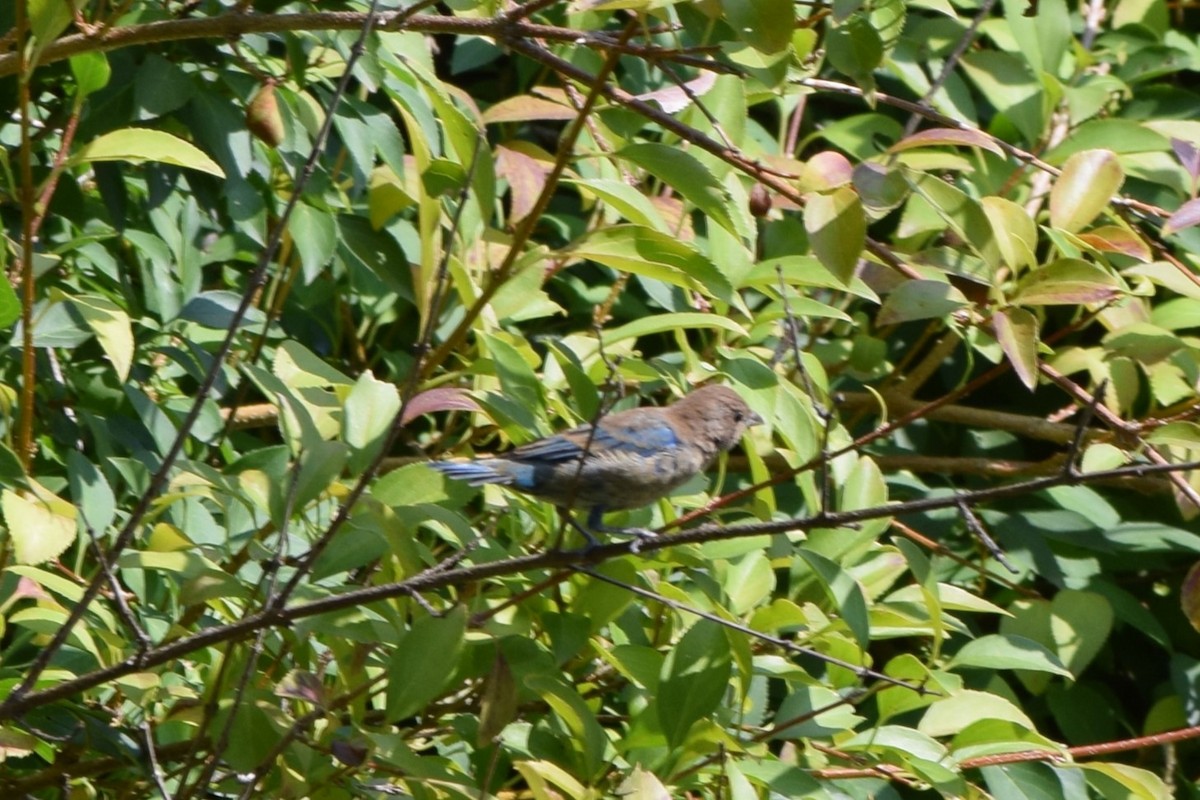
863 673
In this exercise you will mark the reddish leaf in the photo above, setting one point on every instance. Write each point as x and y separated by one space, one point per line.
825 171
525 173
445 398
526 108
1115 239
677 98
950 136
1187 216
1066 282
1188 155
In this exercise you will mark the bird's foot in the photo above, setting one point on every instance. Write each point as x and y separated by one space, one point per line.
638 534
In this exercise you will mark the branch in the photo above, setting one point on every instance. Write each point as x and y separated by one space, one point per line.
16 704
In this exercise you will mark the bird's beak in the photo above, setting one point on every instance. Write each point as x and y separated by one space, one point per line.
753 419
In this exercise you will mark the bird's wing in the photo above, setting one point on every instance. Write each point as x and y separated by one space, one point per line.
636 432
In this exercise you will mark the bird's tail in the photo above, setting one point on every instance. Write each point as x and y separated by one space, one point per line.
477 473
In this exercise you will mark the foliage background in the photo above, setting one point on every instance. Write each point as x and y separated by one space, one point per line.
265 257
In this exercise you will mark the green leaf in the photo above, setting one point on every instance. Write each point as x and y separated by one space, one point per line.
905 742
94 498
920 299
813 711
1074 625
298 367
314 232
10 306
423 661
137 145
49 18
1089 180
765 25
516 374
587 739
950 715
320 465
837 230
91 71
997 651
963 214
748 581
687 175
1121 136
1009 84
845 595
48 621
694 678
1125 781
855 49
644 251
661 323
624 200
1029 781
370 410
1017 333
1067 281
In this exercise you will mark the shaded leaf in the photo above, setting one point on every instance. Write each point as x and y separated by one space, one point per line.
694 678
1017 333
837 230
920 299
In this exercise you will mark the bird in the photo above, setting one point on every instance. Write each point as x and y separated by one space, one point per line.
626 460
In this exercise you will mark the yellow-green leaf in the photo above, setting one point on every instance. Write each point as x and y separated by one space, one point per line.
112 327
137 145
1088 181
40 528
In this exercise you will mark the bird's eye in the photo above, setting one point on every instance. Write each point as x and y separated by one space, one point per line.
737 416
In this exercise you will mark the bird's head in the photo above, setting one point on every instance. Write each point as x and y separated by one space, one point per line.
715 415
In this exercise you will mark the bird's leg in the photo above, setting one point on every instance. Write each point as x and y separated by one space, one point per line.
595 522
592 541
595 525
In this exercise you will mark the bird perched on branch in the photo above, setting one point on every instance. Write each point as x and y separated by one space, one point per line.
628 459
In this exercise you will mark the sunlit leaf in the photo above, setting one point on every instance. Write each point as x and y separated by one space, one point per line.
1088 181
137 145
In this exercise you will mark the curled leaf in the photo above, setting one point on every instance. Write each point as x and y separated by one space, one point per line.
445 398
949 136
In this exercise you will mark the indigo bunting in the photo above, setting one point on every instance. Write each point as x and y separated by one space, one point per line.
628 459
